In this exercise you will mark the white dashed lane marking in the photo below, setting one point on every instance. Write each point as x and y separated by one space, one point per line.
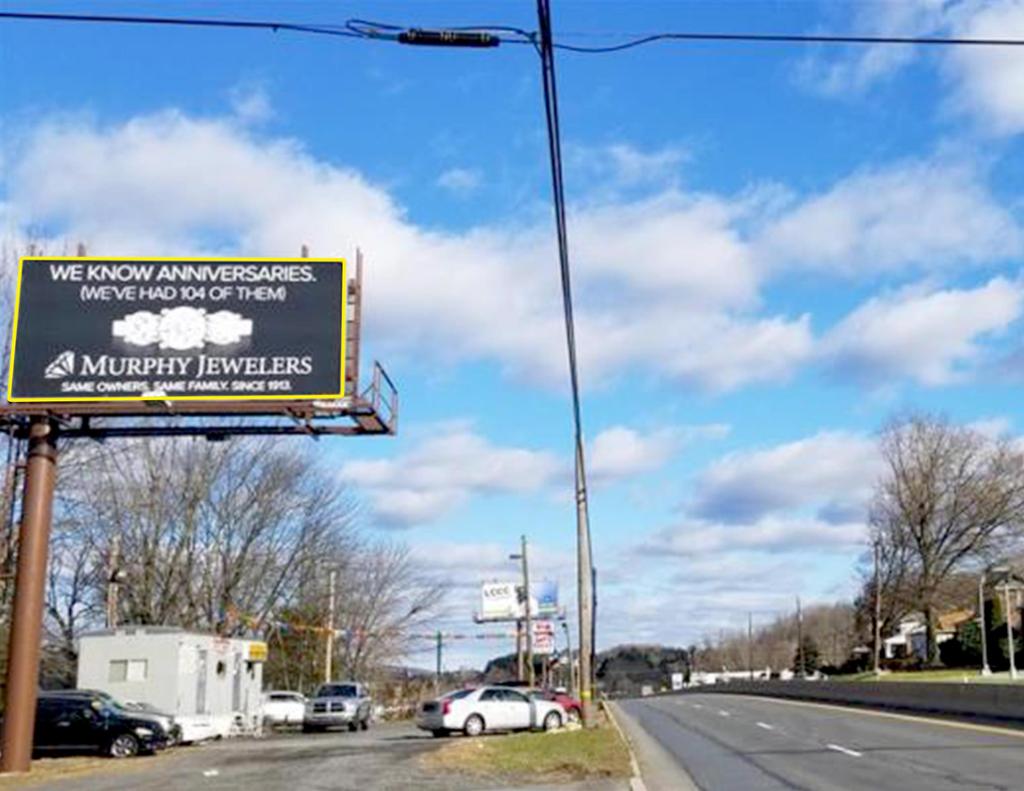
844 750
723 713
766 726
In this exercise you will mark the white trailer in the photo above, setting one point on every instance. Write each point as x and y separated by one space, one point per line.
212 685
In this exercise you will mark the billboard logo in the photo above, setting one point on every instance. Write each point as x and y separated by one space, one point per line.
181 328
60 366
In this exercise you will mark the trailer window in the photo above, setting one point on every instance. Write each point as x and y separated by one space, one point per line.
128 670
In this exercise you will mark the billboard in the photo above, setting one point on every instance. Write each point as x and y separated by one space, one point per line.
543 637
131 329
545 598
499 601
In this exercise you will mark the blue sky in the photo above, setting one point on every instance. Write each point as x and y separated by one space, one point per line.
776 249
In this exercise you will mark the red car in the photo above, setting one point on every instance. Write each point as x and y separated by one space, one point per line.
568 702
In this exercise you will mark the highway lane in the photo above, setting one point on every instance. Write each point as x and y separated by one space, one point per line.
727 742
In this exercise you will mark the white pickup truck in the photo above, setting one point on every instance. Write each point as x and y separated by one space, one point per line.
338 703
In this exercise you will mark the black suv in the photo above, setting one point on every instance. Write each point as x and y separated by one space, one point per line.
71 721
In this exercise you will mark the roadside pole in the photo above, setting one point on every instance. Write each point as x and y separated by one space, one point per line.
329 648
800 638
1009 631
29 594
572 666
985 669
530 670
750 644
878 612
520 664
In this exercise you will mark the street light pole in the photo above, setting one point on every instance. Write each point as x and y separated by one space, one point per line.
750 644
800 638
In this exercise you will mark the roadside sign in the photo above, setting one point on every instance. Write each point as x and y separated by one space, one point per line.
546 593
131 329
543 637
499 601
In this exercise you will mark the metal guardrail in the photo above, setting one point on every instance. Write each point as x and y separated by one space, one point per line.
1004 702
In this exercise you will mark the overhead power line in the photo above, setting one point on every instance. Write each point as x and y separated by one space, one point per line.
487 35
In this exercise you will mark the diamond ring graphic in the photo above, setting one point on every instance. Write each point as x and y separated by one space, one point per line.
182 328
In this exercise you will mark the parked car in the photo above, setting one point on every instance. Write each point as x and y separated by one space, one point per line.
283 708
475 711
83 723
170 725
340 703
135 708
573 709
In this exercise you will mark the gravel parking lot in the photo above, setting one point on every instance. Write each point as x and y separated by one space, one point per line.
386 757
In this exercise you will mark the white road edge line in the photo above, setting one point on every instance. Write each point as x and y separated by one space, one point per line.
766 726
845 750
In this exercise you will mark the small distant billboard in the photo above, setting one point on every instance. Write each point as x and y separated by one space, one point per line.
545 595
543 637
499 601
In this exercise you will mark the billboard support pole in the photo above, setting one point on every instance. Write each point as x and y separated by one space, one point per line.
29 593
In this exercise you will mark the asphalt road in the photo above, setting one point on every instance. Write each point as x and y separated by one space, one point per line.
385 758
720 742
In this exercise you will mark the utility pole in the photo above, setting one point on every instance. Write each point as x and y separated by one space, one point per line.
1009 630
520 663
750 644
985 669
584 560
329 647
29 595
113 581
529 619
800 638
878 610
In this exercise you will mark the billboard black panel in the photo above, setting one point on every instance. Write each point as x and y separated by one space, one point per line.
104 329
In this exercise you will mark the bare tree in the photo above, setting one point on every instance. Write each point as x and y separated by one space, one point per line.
949 496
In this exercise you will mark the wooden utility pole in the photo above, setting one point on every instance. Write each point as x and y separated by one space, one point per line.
572 665
530 671
329 649
878 612
29 596
520 663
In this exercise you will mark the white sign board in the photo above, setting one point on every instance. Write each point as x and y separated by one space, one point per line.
677 682
498 601
543 637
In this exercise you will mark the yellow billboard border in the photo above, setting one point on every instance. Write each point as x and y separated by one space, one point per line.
172 259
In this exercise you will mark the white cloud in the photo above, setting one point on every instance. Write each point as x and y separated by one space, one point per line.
986 82
769 534
443 471
620 452
251 104
460 181
990 80
624 165
924 214
827 468
932 336
669 283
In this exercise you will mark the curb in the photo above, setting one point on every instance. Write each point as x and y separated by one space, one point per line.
636 782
